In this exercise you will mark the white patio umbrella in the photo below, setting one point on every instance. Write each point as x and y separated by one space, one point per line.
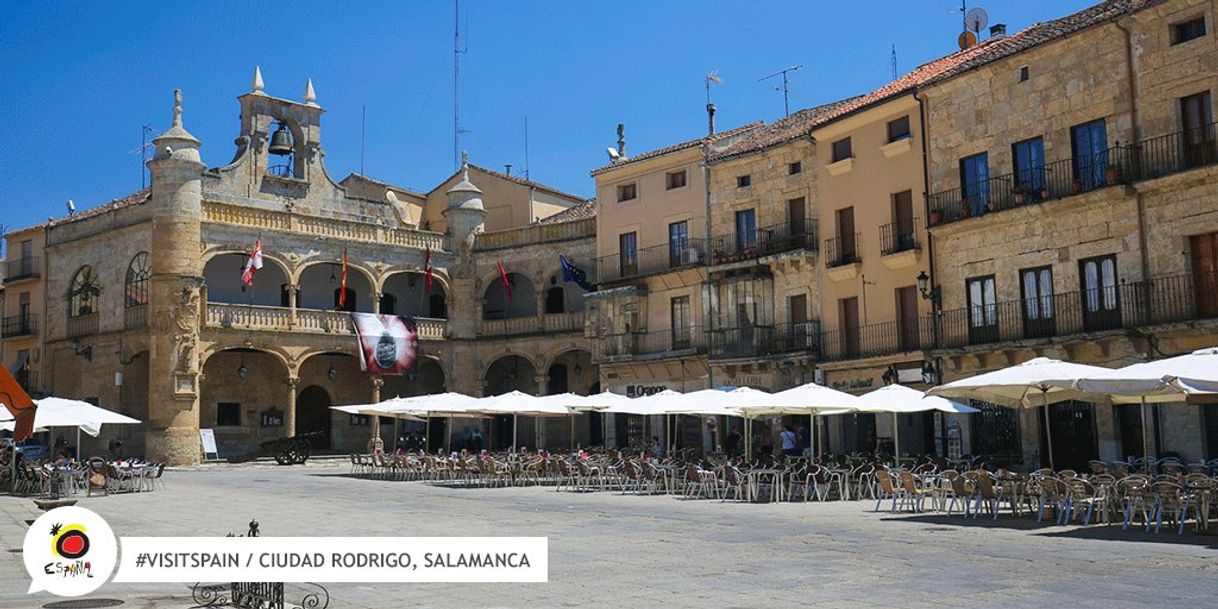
1017 386
516 403
590 403
411 408
898 399
808 399
1167 380
63 412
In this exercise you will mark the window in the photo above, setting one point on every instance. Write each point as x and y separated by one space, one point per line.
1029 160
898 129
628 255
745 180
794 168
842 150
27 259
1101 300
1089 141
678 241
228 414
975 183
138 273
746 229
1023 74
1188 30
982 310
1036 286
23 307
682 332
1196 119
626 192
674 179
82 296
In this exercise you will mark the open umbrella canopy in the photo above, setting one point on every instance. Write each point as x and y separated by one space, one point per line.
807 399
61 412
518 403
588 403
412 408
1036 382
656 403
1165 380
899 398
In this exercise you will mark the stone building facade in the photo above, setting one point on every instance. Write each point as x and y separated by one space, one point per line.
146 312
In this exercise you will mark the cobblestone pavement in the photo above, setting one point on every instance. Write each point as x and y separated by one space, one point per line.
658 551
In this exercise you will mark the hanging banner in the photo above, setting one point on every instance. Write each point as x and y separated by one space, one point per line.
388 344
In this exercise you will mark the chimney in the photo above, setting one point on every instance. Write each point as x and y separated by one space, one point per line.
710 118
998 30
621 140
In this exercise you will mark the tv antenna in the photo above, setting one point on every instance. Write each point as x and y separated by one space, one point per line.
895 72
711 78
145 146
458 51
786 86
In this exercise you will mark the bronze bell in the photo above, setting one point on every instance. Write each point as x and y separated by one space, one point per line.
281 141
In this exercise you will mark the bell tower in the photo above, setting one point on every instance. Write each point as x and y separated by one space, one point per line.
177 274
282 137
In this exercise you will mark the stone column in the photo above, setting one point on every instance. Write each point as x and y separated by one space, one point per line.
293 292
375 443
174 296
289 413
376 301
538 322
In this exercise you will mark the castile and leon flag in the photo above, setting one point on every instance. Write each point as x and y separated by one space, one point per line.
388 344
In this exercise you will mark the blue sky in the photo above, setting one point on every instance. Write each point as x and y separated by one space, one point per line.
80 79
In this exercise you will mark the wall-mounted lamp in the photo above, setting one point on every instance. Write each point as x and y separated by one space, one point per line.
928 293
332 373
578 369
82 351
242 370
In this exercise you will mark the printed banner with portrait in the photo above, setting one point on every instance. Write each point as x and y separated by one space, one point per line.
388 344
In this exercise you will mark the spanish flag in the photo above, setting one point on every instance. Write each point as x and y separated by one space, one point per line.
342 285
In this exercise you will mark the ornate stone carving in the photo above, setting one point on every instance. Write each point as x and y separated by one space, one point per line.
182 320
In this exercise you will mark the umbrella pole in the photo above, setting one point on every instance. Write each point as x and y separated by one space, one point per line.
811 437
896 438
427 435
572 417
1044 395
514 426
448 435
78 443
1145 440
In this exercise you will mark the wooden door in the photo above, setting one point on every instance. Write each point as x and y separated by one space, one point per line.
797 222
798 330
845 235
1205 273
907 317
849 326
903 217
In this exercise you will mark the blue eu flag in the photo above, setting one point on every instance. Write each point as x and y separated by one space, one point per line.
570 272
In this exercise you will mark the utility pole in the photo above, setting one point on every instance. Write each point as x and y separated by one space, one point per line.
786 86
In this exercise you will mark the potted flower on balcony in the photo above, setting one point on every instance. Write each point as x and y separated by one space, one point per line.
1077 186
1113 174
1022 194
936 217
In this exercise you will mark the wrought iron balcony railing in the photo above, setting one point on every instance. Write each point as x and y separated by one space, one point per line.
766 241
1144 160
757 341
21 268
19 325
652 260
655 344
842 250
898 237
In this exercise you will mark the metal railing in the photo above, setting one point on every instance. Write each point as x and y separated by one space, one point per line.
82 325
20 268
766 241
842 250
872 340
652 260
727 343
19 325
898 237
1144 160
135 317
654 344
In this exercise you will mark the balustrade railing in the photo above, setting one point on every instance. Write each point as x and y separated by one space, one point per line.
898 237
19 325
82 325
764 241
842 250
135 317
727 343
655 344
652 260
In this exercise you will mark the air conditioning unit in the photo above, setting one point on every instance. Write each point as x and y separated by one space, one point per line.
690 256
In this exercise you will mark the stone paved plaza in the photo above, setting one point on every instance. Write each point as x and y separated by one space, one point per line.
658 551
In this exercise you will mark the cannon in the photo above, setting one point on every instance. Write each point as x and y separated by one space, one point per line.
286 451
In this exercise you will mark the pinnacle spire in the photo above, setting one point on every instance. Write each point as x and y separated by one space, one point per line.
310 96
177 108
258 85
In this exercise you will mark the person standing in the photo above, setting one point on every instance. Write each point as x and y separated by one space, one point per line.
787 437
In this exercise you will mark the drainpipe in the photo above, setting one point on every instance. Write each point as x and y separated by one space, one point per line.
1131 83
936 305
706 225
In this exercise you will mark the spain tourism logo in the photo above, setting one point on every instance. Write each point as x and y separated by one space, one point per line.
69 551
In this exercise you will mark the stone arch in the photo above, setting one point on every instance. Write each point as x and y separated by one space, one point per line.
578 373
281 356
83 292
318 282
241 386
222 276
570 296
403 292
338 373
510 372
428 377
267 258
495 304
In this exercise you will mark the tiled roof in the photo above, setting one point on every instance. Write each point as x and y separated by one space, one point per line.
134 198
717 138
779 132
360 176
938 70
584 210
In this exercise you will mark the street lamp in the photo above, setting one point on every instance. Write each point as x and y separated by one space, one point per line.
928 293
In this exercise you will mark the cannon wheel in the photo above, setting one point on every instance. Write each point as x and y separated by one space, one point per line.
302 451
286 456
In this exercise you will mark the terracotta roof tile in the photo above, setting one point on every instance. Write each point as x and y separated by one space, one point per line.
134 198
584 210
779 132
712 140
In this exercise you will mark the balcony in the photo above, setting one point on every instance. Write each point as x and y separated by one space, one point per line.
308 321
21 268
769 240
548 323
878 339
842 260
899 245
1145 160
652 260
19 325
82 325
760 341
135 317
658 344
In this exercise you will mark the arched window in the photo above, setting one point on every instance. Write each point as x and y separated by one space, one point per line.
82 296
138 273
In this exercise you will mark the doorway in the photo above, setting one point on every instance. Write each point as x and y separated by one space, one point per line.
313 414
1073 426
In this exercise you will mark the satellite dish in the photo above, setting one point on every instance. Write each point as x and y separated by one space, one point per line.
976 20
613 153
966 40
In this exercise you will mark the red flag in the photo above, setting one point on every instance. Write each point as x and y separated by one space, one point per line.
252 265
427 270
507 287
19 405
342 285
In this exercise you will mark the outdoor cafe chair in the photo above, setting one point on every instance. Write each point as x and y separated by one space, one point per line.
887 490
862 480
915 494
1170 502
985 494
960 495
1097 466
736 483
1134 493
1082 497
1053 496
